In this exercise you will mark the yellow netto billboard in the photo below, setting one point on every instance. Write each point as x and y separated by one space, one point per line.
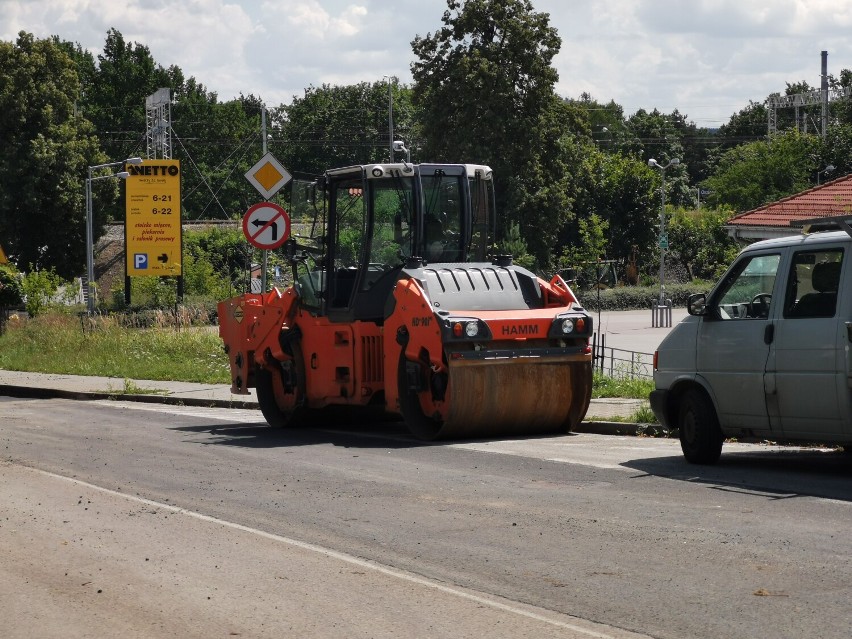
153 219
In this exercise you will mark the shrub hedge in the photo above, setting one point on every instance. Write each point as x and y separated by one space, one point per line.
628 298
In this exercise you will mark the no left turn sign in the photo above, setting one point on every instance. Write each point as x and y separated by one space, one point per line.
266 225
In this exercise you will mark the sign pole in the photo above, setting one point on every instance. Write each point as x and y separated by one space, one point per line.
264 253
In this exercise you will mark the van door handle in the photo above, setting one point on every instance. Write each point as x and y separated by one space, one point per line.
849 330
769 333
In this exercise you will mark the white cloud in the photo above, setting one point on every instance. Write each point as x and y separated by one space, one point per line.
707 58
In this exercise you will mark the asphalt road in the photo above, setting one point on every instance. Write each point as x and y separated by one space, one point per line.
143 520
633 330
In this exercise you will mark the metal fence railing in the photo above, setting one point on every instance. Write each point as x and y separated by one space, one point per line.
620 363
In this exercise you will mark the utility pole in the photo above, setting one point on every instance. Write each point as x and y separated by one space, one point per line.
823 89
662 306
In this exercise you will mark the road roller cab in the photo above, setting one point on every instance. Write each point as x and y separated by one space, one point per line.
398 304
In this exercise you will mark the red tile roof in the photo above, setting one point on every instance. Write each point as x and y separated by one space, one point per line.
827 200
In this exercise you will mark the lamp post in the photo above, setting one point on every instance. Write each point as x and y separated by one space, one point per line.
663 238
827 169
390 115
90 251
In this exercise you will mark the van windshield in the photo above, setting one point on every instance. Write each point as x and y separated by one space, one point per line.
747 290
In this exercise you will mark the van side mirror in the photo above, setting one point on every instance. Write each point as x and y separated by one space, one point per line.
697 304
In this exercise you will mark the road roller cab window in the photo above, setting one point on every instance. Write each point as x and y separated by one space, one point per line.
348 221
482 232
443 214
390 235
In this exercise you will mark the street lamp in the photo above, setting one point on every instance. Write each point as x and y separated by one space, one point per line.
90 251
390 114
663 239
827 169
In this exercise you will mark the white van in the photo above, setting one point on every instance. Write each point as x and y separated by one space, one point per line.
766 354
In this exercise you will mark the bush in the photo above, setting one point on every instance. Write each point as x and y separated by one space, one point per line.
11 293
40 287
629 298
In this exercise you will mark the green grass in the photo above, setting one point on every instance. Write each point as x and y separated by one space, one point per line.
59 344
604 386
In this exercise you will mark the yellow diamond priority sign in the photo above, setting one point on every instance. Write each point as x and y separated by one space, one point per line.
268 176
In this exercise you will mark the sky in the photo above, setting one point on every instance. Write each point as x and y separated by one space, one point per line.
705 58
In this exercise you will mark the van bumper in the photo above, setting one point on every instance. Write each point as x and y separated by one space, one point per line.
659 400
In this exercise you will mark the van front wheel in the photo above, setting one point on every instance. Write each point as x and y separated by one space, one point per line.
700 435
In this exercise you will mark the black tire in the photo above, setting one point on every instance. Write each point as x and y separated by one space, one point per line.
419 425
274 415
700 436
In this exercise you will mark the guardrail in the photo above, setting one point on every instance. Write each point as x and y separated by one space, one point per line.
620 363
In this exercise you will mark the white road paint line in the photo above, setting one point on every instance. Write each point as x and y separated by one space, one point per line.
506 448
340 556
241 415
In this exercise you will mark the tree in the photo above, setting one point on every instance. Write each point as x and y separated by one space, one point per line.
344 125
606 122
624 193
113 98
592 244
747 125
44 157
699 242
836 151
485 85
760 172
841 110
661 136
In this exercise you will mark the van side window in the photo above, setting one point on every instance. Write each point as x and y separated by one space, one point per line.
813 283
746 292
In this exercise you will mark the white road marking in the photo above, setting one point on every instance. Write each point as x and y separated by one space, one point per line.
480 599
241 415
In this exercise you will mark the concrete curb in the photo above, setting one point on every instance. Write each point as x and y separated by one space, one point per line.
25 392
597 427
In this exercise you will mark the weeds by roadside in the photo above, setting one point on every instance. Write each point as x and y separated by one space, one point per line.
604 386
132 388
55 343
